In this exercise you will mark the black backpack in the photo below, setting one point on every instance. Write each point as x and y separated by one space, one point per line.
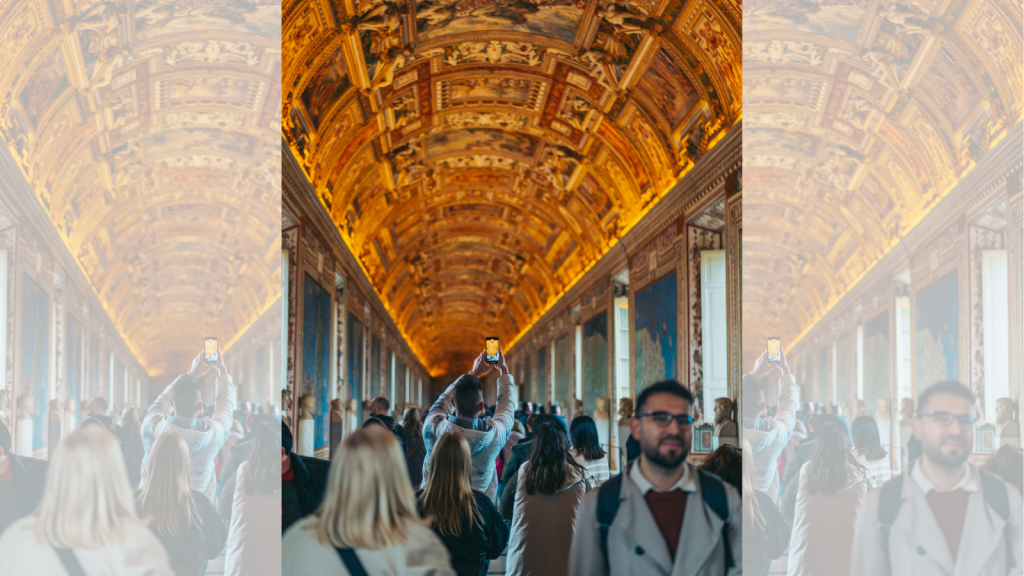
992 487
711 486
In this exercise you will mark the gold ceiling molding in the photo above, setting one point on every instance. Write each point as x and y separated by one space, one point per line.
479 157
150 132
860 119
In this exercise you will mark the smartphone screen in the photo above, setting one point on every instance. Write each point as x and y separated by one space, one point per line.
491 344
210 349
774 349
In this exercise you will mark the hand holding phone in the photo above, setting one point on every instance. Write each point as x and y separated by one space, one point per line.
491 346
211 353
774 349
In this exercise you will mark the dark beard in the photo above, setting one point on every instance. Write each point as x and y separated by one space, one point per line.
665 462
950 462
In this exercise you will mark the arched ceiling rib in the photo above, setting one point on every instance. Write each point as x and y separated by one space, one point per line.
150 131
478 156
860 117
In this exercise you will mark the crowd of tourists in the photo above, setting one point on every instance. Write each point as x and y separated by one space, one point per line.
449 491
164 494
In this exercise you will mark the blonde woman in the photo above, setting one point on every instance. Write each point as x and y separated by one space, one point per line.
183 519
86 517
367 518
467 521
254 539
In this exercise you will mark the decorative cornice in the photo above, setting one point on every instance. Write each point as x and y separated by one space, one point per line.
973 188
299 197
30 214
716 165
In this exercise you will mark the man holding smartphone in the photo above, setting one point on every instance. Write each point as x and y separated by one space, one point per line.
178 410
768 436
461 408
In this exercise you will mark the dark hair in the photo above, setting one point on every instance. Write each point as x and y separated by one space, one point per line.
549 460
945 387
184 391
726 462
866 438
5 439
753 395
286 439
468 394
663 387
531 422
583 431
827 470
100 402
1008 463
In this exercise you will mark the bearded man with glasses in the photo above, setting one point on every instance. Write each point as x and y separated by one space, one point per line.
946 516
661 515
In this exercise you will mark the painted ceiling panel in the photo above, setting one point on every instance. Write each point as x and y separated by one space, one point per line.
860 118
478 155
150 130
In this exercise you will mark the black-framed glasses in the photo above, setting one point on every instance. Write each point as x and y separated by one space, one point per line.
663 418
945 419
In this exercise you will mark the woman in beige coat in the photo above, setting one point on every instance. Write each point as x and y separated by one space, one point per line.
831 489
550 488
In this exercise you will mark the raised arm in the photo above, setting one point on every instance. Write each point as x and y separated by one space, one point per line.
224 406
785 416
505 411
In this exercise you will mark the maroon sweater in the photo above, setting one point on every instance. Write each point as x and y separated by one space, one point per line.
668 509
950 509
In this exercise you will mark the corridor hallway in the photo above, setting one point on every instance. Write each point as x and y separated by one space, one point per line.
561 179
139 208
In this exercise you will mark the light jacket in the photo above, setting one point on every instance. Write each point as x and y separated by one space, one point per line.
204 436
140 554
486 436
254 538
421 554
768 438
636 546
917 546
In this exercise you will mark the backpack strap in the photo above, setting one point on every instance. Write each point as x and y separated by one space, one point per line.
995 494
351 561
607 507
713 490
999 501
889 502
70 561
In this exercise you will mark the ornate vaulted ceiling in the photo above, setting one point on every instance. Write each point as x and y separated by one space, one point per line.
861 116
479 155
150 129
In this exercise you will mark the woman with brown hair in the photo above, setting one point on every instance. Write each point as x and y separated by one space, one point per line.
416 450
549 489
183 519
367 518
131 428
466 520
830 490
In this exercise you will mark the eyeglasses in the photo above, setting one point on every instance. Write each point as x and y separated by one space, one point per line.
944 419
663 418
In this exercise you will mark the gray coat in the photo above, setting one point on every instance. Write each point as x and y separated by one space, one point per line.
637 548
917 546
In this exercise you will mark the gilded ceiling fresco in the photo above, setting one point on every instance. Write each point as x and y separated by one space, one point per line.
861 116
478 156
150 130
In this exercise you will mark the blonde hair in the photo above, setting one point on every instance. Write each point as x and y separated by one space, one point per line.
448 495
369 498
87 502
166 499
